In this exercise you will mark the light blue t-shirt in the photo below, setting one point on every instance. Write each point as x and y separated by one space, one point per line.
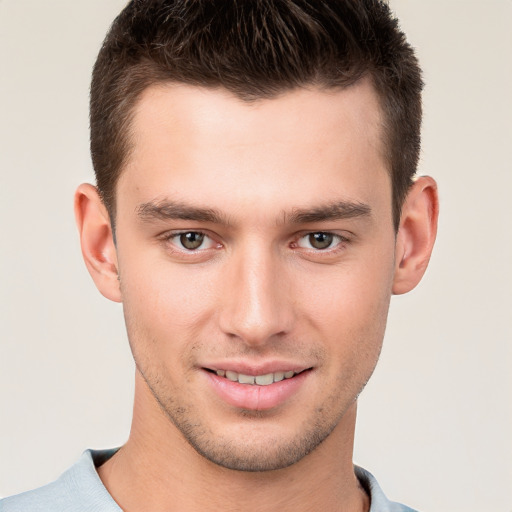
80 489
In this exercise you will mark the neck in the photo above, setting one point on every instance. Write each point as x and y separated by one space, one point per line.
158 471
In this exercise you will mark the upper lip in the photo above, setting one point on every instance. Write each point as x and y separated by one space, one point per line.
247 368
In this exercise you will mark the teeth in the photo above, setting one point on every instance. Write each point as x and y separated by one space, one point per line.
278 376
260 380
265 380
232 376
246 379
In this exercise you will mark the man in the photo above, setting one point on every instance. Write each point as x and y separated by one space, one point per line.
255 210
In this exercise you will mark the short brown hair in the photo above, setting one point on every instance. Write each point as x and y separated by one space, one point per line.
255 49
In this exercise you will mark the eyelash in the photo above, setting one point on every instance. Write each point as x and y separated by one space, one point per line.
168 238
342 241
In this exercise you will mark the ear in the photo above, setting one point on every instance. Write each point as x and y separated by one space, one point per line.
97 241
416 234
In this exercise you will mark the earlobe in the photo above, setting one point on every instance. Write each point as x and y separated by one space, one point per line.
97 242
416 234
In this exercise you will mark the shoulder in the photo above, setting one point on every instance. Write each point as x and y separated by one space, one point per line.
54 496
379 501
78 489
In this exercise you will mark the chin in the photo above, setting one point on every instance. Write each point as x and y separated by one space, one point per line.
268 455
260 444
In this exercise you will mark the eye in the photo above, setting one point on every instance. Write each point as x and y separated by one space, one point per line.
320 240
191 240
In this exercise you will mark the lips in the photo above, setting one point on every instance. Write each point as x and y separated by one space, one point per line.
256 389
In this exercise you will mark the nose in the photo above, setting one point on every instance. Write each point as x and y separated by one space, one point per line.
255 303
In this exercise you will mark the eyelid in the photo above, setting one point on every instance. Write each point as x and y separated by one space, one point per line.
343 239
170 236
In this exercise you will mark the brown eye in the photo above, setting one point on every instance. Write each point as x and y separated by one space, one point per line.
320 240
191 240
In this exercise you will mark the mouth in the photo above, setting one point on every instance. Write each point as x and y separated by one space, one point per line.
257 388
256 380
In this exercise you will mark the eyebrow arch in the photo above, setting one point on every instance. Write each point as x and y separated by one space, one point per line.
333 211
172 210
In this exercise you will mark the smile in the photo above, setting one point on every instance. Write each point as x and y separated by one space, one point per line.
256 380
257 388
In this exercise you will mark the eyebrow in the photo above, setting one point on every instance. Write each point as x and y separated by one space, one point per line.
333 211
171 210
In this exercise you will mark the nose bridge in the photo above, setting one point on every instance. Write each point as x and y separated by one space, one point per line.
254 305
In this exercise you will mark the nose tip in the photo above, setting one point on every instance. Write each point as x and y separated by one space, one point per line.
255 308
254 320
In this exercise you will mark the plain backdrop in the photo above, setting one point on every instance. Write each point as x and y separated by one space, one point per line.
435 422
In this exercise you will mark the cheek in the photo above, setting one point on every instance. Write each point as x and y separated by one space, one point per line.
355 290
350 307
164 309
160 292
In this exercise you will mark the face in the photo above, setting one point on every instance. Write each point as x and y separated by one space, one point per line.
255 247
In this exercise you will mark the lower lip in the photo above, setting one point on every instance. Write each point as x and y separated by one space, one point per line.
254 397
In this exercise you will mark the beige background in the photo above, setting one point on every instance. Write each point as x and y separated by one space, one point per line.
436 420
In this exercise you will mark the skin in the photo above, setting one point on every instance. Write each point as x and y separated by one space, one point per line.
255 293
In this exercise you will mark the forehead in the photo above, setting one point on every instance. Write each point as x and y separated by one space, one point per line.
206 145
